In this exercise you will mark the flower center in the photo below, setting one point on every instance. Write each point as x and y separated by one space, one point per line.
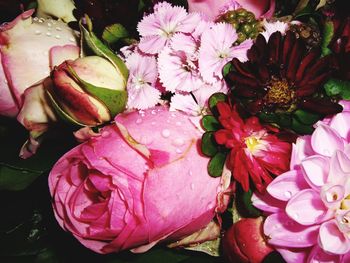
279 95
252 142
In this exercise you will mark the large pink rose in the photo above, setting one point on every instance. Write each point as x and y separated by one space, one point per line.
25 46
211 8
141 181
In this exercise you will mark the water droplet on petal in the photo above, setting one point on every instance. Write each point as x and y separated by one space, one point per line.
192 186
153 123
57 37
288 194
153 112
72 39
58 28
165 133
105 134
138 121
173 115
190 173
36 19
178 142
178 150
178 123
49 24
48 34
37 32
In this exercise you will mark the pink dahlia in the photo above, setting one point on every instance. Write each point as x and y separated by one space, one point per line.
255 152
158 28
217 49
309 205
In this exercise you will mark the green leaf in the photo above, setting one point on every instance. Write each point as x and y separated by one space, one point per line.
328 32
210 123
284 120
268 117
101 49
227 68
301 128
273 257
114 100
113 33
216 164
339 88
209 146
245 205
14 178
214 100
305 117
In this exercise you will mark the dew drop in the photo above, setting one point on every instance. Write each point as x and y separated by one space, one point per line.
57 37
165 133
288 194
72 39
178 142
58 28
296 216
190 173
41 20
48 34
178 123
153 112
36 19
192 186
37 32
173 115
105 134
138 121
153 123
49 24
178 150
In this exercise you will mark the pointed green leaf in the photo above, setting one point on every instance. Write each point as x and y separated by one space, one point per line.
213 101
301 128
210 123
209 146
339 88
216 164
226 69
15 178
114 100
61 113
328 32
248 205
113 33
101 49
305 117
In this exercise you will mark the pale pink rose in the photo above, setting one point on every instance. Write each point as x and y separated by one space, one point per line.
140 182
25 45
212 8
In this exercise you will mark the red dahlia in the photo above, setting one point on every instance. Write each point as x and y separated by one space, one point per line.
281 75
256 153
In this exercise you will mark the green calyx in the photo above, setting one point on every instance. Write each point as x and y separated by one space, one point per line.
209 146
114 100
100 49
245 23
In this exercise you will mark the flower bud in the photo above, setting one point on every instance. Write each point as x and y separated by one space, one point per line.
244 241
88 91
62 9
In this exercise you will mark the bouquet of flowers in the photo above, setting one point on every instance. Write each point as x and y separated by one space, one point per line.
151 129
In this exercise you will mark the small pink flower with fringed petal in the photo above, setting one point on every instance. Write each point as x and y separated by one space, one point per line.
309 205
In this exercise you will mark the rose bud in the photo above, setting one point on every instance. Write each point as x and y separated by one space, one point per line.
142 181
245 241
62 9
88 91
25 47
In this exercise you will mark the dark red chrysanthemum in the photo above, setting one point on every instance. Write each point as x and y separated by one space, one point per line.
256 153
281 75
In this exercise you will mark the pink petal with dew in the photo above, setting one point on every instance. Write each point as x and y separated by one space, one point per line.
307 208
295 255
240 51
331 240
169 213
332 196
317 255
315 170
287 185
267 203
341 123
59 54
215 50
19 58
283 231
326 141
186 104
301 149
339 168
8 106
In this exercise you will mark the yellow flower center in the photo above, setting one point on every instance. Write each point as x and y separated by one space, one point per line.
252 142
280 94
